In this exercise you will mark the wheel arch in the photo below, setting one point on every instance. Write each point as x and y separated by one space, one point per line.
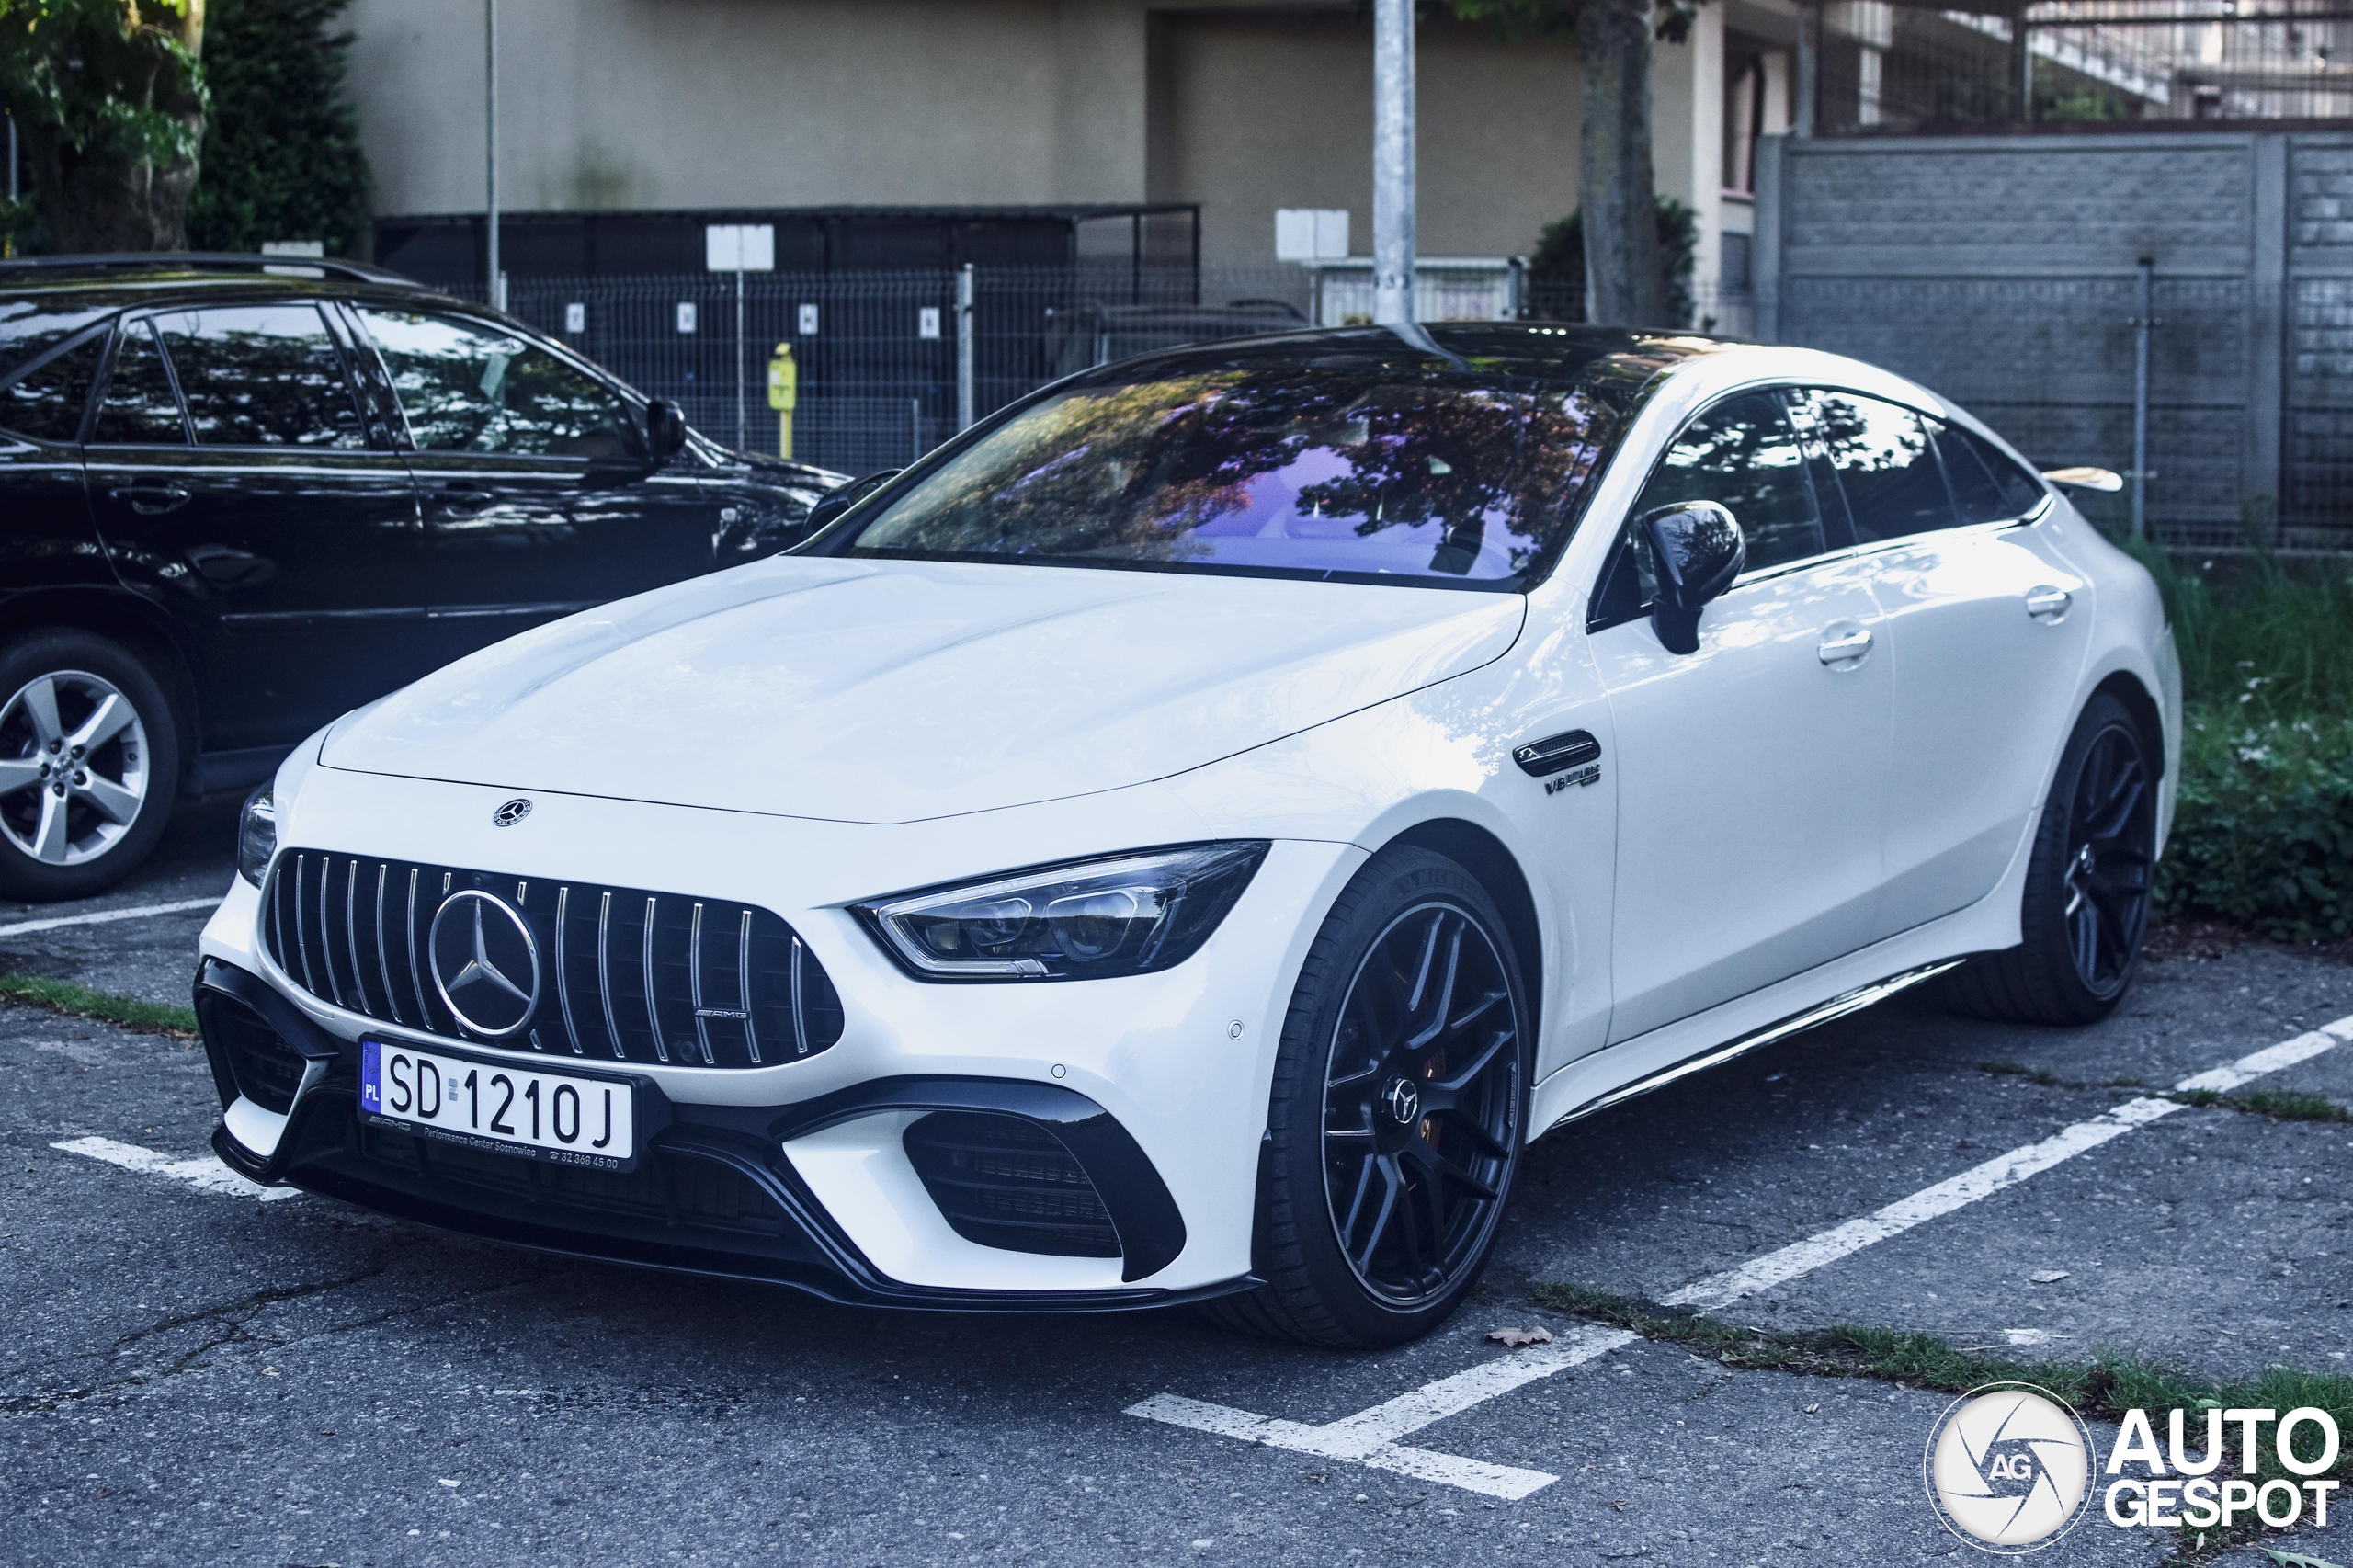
139 626
2128 689
1487 857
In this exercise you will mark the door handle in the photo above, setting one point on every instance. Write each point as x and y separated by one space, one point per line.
1845 647
464 497
2048 604
151 500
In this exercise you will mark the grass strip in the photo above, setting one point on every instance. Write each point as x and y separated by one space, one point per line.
81 1002
2104 1387
2280 1105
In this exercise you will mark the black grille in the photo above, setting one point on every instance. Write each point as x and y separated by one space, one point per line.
1005 1182
627 975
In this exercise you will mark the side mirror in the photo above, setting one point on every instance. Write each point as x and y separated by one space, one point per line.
2107 481
839 501
1697 549
665 431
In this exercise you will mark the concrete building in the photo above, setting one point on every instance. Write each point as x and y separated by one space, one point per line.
1240 107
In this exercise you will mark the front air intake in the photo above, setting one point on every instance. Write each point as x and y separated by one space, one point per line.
1005 1181
623 974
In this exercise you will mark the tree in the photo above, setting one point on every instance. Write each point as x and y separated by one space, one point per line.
282 158
109 98
1556 266
1618 187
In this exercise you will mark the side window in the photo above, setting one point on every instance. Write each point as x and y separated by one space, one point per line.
1744 454
140 407
469 388
46 402
261 376
1987 485
1887 466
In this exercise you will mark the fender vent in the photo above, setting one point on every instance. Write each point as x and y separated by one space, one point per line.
1005 1182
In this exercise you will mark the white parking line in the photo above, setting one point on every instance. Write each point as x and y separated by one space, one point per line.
1719 1290
1369 1437
107 916
207 1174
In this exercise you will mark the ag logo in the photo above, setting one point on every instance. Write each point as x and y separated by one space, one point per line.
510 813
2009 1467
485 963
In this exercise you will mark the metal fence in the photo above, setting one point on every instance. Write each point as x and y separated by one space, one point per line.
890 363
1896 65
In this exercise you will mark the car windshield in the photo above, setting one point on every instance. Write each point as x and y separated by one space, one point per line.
1371 472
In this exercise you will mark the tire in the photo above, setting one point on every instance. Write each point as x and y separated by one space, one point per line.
2087 885
68 831
1398 1114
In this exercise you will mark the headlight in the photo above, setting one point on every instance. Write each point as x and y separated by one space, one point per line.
1087 920
256 835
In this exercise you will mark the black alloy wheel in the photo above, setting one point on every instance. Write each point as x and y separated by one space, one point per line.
1398 1112
1421 1104
2113 825
2087 885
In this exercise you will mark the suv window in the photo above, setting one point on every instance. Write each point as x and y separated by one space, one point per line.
466 387
139 409
1743 454
1986 485
261 376
1886 462
46 402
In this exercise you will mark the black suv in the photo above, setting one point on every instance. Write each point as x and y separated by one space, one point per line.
238 498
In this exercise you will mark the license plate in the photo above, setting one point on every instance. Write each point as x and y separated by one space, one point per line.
515 1110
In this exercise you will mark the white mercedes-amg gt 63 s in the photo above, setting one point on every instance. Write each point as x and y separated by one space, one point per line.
1182 839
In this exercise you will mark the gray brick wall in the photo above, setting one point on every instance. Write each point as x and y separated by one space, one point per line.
2002 273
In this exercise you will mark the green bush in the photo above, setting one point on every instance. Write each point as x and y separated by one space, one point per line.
2263 824
282 158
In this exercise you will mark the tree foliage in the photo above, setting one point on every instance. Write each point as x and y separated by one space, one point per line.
282 156
109 96
1557 267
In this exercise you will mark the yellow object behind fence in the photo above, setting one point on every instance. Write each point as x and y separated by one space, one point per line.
784 392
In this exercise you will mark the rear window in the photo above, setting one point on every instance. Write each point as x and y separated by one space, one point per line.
46 400
1378 473
30 328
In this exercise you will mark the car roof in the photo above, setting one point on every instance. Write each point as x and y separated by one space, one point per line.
118 282
1619 361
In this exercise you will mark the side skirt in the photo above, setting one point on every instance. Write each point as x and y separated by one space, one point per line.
1838 1007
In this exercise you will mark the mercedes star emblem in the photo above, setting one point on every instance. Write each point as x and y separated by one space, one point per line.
478 947
510 813
1404 1100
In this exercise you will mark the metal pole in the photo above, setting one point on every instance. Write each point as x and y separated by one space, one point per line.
1809 70
965 411
743 428
1393 161
2140 325
9 248
2022 65
497 292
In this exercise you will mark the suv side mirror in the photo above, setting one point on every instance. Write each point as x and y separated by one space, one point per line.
665 431
1697 549
839 501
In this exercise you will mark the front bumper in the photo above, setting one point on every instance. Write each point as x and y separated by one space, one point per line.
802 1171
717 1192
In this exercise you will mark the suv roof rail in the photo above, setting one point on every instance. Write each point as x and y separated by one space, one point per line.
208 261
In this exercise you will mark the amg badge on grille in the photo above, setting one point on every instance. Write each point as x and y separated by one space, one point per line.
510 813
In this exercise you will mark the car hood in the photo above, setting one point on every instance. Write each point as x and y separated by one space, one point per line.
892 691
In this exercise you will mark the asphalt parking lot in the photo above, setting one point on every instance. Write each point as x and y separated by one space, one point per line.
189 1374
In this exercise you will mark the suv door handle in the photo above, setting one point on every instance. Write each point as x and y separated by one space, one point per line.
465 498
1845 647
151 500
2048 604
